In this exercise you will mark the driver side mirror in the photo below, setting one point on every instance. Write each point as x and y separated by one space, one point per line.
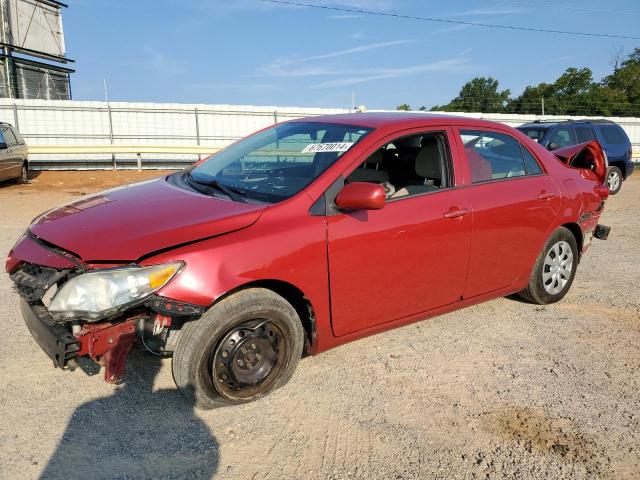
553 146
361 196
3 146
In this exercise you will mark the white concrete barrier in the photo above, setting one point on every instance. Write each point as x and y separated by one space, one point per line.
189 129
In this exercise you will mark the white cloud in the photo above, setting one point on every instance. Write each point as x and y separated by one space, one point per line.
452 29
156 61
367 75
289 66
233 86
356 35
344 17
485 12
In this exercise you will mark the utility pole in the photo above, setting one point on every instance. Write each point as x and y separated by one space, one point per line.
543 108
106 92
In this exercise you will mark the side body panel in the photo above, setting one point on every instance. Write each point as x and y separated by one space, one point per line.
404 259
391 263
512 218
510 225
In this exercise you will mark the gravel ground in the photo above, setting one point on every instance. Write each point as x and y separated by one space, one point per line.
502 389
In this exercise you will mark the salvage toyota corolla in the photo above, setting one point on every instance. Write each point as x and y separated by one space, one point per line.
303 236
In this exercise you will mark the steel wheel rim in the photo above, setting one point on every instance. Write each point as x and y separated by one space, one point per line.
557 268
249 359
24 175
613 180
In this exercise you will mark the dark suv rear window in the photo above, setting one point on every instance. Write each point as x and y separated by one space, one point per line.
614 135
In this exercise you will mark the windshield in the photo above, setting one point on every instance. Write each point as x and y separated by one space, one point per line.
534 133
277 163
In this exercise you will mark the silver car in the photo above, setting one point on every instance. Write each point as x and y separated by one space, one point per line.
14 163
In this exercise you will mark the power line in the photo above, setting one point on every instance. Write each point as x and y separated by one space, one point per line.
445 20
565 7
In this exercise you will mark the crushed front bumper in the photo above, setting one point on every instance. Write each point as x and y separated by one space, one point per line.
56 340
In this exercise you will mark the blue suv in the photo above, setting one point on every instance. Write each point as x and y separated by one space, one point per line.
614 140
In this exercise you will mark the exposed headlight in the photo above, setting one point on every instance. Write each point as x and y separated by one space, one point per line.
96 295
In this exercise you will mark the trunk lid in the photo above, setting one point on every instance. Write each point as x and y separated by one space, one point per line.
587 156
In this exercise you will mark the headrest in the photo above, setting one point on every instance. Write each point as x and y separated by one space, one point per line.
376 157
428 159
408 142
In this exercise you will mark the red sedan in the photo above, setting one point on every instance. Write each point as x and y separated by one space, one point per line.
301 237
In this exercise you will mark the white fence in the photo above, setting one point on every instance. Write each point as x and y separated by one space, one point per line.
74 123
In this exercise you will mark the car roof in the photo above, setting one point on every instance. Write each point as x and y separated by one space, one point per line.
398 119
553 123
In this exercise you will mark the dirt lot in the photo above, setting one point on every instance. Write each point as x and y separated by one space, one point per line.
503 389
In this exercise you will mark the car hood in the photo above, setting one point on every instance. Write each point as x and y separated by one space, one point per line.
126 223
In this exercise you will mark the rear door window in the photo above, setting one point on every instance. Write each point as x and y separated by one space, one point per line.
613 135
492 155
585 134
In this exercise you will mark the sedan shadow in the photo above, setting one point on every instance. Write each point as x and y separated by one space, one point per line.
135 433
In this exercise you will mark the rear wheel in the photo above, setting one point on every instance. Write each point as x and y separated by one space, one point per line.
614 180
243 348
24 174
554 270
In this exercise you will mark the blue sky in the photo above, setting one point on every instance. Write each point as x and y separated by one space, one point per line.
250 52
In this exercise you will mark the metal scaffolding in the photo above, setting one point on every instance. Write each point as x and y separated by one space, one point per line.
31 31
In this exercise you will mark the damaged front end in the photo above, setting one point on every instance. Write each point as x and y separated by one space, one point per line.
85 317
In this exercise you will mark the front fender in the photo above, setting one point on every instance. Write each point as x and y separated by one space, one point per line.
281 246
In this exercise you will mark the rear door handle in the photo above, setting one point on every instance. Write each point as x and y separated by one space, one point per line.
456 213
546 195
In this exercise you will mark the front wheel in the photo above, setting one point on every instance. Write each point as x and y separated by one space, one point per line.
244 347
554 270
614 180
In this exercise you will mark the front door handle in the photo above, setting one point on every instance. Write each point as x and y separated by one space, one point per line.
546 195
456 213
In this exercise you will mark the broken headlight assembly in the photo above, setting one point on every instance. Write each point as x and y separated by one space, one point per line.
100 294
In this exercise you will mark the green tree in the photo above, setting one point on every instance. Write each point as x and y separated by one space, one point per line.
572 93
480 94
623 86
404 107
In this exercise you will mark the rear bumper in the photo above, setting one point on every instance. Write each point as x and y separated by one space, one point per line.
56 341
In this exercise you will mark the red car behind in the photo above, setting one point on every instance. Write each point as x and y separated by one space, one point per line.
301 237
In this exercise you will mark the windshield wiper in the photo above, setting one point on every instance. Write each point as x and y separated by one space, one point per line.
233 193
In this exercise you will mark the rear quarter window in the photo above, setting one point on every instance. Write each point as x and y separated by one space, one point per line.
17 135
614 135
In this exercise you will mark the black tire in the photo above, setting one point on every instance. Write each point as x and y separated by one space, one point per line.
541 289
24 175
614 180
209 350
